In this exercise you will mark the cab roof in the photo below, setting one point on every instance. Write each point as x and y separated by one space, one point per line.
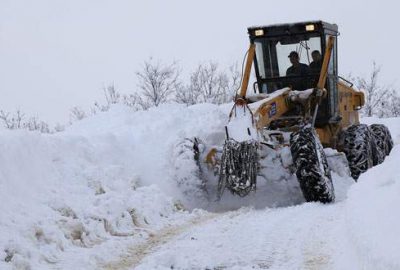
294 28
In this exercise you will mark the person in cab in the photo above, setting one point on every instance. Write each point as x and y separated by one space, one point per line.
299 71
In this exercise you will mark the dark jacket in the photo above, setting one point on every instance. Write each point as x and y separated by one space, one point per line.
300 83
300 70
315 67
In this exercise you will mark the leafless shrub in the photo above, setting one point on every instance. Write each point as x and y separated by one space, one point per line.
12 121
5 118
187 95
389 106
76 114
18 120
133 101
157 83
98 107
209 85
111 94
34 123
376 96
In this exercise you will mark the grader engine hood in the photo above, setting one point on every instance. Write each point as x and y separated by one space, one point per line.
268 107
271 107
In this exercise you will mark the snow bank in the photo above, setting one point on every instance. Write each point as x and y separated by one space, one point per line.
106 177
373 221
66 193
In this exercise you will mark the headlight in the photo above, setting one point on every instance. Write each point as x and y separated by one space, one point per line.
310 27
259 32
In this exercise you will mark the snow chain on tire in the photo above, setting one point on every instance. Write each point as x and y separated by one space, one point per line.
383 138
360 148
312 168
239 167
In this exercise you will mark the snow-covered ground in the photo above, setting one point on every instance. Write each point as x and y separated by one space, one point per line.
117 191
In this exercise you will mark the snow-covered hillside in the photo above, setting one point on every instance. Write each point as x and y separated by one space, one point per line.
114 187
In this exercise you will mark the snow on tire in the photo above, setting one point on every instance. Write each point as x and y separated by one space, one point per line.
360 148
382 137
311 165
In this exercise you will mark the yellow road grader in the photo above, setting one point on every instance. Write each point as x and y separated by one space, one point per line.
299 101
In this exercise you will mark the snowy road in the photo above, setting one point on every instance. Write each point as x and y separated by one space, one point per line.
309 236
138 252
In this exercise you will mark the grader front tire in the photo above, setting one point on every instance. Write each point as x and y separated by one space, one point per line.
311 165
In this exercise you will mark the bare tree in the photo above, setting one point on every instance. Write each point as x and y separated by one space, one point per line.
157 82
212 84
395 104
376 95
389 106
208 84
187 95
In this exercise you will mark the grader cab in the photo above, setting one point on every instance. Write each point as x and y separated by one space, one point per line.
299 100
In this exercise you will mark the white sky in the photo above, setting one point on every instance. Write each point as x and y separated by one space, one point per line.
58 54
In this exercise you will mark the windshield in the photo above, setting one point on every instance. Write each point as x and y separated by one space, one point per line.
273 54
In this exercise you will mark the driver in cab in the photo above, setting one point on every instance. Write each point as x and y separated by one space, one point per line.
299 70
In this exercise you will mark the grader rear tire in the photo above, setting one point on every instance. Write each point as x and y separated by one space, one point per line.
311 165
360 148
382 137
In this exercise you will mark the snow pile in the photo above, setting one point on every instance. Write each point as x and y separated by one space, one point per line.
372 213
372 208
60 193
108 177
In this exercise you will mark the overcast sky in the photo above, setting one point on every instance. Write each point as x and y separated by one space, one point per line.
58 54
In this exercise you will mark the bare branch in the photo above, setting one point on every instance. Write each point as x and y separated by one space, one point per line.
380 100
157 83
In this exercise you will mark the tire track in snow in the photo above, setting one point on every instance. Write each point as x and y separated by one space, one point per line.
308 236
140 251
